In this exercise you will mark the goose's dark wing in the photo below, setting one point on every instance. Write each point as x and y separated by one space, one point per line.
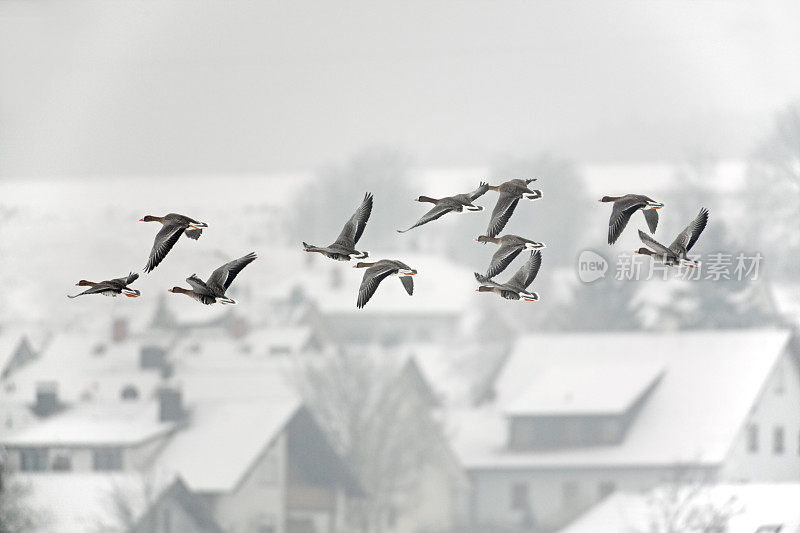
502 258
527 273
620 215
651 216
354 227
654 244
166 238
123 282
503 210
692 232
222 277
484 280
480 191
433 214
100 288
408 284
198 285
372 278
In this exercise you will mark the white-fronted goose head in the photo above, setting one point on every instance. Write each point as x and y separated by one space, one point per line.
377 272
676 253
344 248
624 207
174 225
510 247
511 192
213 290
112 287
515 288
460 203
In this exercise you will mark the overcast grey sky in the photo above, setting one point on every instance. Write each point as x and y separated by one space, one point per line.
99 87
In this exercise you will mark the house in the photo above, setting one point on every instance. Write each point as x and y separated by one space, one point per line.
95 437
757 507
576 417
15 351
261 466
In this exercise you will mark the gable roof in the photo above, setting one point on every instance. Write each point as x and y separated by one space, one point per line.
223 439
710 382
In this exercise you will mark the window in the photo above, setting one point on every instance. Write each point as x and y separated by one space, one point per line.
107 459
265 523
777 440
752 438
606 488
519 496
33 459
569 493
62 461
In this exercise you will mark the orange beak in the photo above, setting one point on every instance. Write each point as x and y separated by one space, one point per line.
141 220
169 290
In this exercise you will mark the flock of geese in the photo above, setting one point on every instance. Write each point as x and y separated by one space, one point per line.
173 226
344 247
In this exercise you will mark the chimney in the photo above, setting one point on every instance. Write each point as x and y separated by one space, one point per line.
119 329
46 399
170 407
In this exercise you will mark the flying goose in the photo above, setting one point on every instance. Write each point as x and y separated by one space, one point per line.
377 272
213 290
174 225
676 253
510 194
625 207
112 287
460 203
344 247
517 287
510 248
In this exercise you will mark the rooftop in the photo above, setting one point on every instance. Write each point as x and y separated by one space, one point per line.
119 423
721 371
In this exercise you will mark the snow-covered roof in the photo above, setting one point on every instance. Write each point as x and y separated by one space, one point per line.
711 380
83 368
223 439
574 388
121 423
753 506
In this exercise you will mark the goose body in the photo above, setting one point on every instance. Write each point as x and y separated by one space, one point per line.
343 249
625 207
379 271
460 203
676 253
112 287
173 226
511 192
510 246
515 288
213 290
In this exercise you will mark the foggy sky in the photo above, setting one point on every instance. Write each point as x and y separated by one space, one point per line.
159 87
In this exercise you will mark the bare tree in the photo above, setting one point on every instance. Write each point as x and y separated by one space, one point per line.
380 426
16 514
685 505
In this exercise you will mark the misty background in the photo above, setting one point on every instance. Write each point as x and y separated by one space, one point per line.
269 121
